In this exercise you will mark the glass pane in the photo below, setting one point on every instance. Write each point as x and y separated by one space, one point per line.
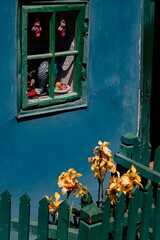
65 31
64 79
38 78
38 33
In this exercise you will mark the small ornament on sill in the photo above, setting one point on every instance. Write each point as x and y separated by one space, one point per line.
37 28
62 28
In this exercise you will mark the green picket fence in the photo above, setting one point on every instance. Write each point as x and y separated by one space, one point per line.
138 218
95 223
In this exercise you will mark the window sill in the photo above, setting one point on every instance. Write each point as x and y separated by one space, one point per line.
49 110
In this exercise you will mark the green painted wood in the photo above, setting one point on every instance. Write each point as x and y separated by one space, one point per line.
119 217
63 220
66 53
126 150
146 212
43 219
130 146
90 231
106 207
52 50
39 56
24 27
143 170
133 215
70 105
156 165
53 2
128 138
91 213
136 150
147 36
79 47
52 8
146 154
24 216
80 8
90 225
156 227
5 213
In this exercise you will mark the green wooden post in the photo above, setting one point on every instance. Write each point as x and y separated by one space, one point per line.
63 219
146 154
43 219
156 229
133 214
90 226
106 207
136 150
146 212
126 147
24 215
5 214
156 165
146 73
119 217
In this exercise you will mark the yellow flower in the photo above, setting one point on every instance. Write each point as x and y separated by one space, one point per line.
114 188
68 182
54 205
82 191
133 176
125 183
102 161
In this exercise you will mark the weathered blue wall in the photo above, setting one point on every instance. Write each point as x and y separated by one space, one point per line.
33 153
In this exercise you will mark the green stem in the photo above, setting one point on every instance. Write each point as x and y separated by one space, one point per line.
99 191
102 192
68 194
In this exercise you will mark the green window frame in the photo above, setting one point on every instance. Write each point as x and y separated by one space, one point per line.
51 103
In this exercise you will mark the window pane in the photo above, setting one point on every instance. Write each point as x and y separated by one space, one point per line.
65 31
38 78
38 33
64 80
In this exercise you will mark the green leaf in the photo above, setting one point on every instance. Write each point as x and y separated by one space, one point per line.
86 199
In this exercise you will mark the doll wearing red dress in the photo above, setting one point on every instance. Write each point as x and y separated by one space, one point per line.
37 28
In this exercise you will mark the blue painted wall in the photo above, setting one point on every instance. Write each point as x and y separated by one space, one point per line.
33 153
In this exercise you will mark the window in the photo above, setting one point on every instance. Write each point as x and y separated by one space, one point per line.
53 66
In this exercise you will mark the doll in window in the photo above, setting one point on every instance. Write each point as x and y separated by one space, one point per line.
37 28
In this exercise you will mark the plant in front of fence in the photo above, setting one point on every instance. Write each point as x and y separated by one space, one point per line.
102 163
69 184
124 183
54 206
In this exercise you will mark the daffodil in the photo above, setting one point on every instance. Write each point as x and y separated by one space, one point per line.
69 184
54 205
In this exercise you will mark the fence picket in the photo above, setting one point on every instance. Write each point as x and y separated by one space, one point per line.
63 218
43 219
156 228
133 214
24 215
5 211
106 207
146 212
119 217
